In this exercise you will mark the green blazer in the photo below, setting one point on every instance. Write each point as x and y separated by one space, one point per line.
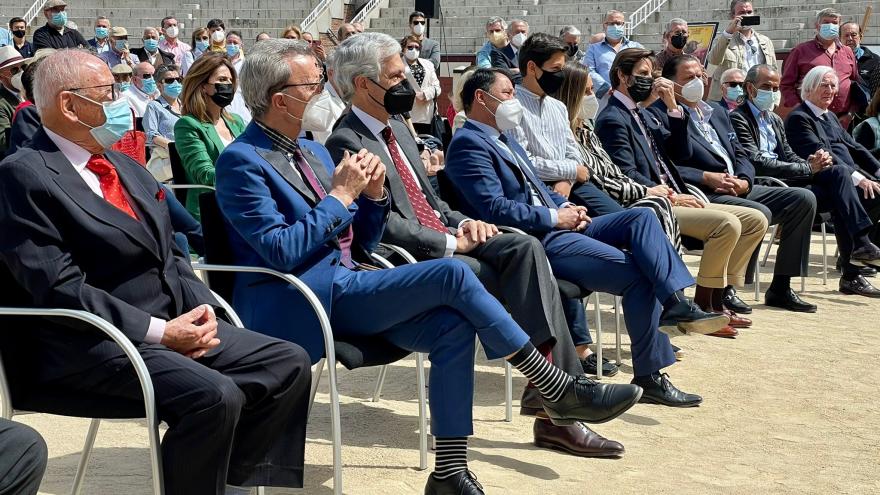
199 145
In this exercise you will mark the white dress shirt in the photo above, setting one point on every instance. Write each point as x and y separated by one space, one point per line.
376 127
818 112
79 158
138 100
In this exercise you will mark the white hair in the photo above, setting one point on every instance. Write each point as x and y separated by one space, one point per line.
834 14
61 71
515 21
572 30
493 20
360 55
814 78
267 71
613 12
149 29
675 22
732 71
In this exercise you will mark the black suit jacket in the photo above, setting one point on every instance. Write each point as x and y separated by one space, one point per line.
403 227
808 134
162 58
704 158
64 246
869 69
787 165
623 140
500 59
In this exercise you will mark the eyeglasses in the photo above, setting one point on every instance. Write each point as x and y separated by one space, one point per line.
172 80
734 84
310 86
146 76
113 93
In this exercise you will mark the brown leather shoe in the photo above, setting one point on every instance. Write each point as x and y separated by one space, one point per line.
737 321
575 439
727 332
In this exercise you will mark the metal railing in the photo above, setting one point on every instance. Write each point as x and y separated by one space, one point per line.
33 11
369 7
640 15
315 13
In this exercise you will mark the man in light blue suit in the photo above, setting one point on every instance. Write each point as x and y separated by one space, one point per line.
495 182
287 208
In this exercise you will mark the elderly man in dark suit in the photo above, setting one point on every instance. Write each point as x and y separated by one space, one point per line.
512 267
810 128
721 168
88 229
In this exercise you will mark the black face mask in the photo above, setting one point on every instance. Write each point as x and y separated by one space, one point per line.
641 88
398 98
572 50
18 34
550 82
678 40
223 94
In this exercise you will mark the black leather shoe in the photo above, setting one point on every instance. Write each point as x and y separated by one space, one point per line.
531 403
589 364
688 317
865 271
659 390
461 483
865 256
859 286
788 300
576 439
734 303
591 402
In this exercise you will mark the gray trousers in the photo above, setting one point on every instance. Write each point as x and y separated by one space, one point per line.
794 208
23 456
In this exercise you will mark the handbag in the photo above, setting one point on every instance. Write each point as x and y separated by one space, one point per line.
133 144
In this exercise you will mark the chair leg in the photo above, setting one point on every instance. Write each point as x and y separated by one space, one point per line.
617 303
508 392
757 280
423 411
316 379
769 244
335 426
824 256
377 393
598 338
85 456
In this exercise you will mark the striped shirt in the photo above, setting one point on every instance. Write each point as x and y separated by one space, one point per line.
545 134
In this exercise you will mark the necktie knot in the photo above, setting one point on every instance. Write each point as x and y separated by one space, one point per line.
100 166
388 135
503 138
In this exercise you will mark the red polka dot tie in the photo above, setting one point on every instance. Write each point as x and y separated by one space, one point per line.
424 213
111 187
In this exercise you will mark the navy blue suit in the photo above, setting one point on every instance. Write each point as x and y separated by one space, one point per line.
493 187
793 208
435 306
808 134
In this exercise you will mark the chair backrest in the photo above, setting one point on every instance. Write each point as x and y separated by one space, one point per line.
178 174
217 249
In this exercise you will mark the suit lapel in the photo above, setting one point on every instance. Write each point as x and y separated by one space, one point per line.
642 140
282 165
505 155
319 168
718 125
145 203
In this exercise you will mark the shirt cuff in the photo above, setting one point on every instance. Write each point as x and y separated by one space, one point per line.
466 220
451 243
857 177
155 331
726 34
554 216
675 113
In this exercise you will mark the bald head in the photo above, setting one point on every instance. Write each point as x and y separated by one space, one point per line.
68 111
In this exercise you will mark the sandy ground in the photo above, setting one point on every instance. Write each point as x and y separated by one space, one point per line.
789 409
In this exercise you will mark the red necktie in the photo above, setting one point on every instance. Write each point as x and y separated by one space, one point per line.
111 187
345 238
424 212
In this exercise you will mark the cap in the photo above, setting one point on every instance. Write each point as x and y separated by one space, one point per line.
121 69
51 4
117 31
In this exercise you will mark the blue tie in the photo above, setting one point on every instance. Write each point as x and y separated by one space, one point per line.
526 169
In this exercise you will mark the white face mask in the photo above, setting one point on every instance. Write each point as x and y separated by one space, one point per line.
693 90
218 36
589 107
508 114
318 115
171 32
411 54
418 29
518 40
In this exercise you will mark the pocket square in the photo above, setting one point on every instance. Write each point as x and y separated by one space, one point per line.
160 194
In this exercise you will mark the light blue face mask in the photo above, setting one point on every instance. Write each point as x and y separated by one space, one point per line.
232 50
765 100
173 90
829 31
614 32
59 19
201 45
149 86
121 45
117 121
734 94
101 32
151 45
123 86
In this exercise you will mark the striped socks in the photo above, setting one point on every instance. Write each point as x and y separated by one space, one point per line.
548 379
451 456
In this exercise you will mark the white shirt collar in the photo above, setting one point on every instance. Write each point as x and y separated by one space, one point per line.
75 154
626 100
818 112
703 107
375 126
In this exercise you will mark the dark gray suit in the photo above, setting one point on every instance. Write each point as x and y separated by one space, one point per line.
236 415
513 268
23 459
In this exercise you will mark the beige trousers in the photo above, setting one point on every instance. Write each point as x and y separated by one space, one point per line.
730 235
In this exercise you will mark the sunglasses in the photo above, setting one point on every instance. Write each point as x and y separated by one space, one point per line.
733 84
172 80
419 22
